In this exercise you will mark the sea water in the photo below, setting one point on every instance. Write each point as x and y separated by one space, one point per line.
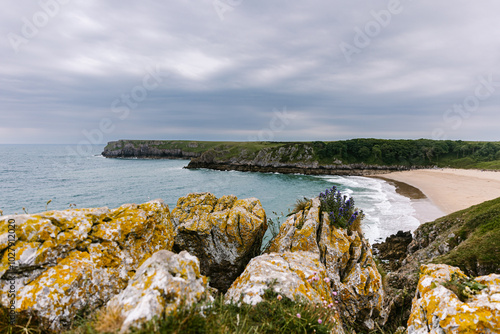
70 176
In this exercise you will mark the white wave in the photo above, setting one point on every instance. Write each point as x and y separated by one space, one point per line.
386 211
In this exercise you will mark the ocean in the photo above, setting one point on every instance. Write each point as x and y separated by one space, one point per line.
32 175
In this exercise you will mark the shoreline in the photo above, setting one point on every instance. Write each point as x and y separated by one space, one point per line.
448 189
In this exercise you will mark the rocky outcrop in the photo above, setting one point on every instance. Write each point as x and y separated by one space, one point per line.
277 161
161 284
393 250
346 257
146 150
300 276
68 261
225 234
438 309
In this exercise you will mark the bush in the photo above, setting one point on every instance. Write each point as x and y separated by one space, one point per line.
340 209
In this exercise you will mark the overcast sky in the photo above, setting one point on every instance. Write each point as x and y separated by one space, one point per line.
74 70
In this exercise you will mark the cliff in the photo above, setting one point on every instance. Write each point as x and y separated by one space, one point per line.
344 157
274 157
286 159
467 240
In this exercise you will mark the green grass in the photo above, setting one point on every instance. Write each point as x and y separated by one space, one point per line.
476 234
273 315
270 316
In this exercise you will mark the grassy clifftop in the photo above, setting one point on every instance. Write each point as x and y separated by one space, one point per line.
378 152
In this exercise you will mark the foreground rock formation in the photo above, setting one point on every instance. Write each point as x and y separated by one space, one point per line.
68 261
343 258
162 283
225 234
438 309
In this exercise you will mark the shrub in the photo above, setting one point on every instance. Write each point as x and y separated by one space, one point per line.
340 209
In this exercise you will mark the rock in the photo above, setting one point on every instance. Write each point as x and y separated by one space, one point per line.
68 261
347 258
394 249
436 309
296 275
161 284
300 276
225 234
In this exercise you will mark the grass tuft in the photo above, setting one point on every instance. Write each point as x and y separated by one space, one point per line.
109 320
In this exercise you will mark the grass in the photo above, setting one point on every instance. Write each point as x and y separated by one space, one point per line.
476 233
276 314
463 287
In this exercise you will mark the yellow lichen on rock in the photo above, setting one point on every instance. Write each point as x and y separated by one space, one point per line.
223 233
297 275
347 258
161 284
298 232
435 308
80 257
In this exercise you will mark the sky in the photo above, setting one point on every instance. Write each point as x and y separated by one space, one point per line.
74 71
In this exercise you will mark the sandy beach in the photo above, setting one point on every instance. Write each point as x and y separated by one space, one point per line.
449 189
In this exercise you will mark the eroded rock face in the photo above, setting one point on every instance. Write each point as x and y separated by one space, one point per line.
394 249
299 276
347 258
224 234
296 275
66 261
436 309
161 284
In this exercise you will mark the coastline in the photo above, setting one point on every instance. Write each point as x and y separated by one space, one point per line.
448 189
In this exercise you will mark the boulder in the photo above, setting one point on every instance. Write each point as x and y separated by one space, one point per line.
438 308
296 275
74 260
224 234
300 276
161 284
347 258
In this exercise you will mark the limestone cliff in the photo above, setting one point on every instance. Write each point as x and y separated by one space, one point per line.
148 150
280 157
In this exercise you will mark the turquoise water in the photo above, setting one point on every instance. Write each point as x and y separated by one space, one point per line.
31 175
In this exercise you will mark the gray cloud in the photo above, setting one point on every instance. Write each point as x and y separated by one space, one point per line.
224 79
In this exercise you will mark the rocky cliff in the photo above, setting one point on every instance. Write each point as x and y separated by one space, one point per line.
467 239
286 158
148 150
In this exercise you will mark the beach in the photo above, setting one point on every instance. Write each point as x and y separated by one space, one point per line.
450 190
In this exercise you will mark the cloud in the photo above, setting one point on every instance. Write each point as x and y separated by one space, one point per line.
223 74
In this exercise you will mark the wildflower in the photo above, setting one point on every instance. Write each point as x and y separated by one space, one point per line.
320 321
327 280
279 297
334 293
298 315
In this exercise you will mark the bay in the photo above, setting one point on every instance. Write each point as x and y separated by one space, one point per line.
31 175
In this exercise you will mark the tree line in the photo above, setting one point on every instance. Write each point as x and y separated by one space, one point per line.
421 152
